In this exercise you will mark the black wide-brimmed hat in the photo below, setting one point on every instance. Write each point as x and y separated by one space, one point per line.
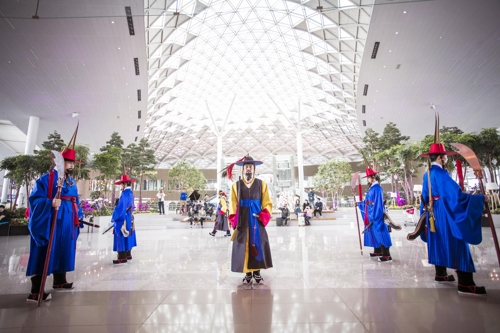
248 160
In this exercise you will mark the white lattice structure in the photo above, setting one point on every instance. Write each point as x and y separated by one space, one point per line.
241 68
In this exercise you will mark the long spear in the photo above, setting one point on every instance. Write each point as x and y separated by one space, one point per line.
59 161
354 179
473 161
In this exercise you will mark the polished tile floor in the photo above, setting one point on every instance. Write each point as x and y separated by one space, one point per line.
180 281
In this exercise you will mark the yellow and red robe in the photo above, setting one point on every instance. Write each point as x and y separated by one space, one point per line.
251 249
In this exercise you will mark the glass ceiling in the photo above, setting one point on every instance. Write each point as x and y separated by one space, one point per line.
243 67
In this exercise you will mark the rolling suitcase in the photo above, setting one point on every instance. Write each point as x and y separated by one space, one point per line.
279 221
302 221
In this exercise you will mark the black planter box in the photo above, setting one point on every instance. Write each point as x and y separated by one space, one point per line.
19 230
4 230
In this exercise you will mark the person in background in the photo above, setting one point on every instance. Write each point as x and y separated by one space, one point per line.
5 215
161 201
318 207
285 214
221 222
310 195
308 213
305 204
193 217
372 209
205 201
297 209
124 237
202 215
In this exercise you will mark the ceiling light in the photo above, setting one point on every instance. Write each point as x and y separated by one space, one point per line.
113 22
404 12
119 48
389 51
396 32
74 114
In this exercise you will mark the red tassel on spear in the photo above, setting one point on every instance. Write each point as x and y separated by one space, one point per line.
460 173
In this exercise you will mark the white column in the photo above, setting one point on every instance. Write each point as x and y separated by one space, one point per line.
5 188
300 159
32 136
219 162
28 150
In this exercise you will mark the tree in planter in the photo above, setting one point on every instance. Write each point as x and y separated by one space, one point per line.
114 142
371 147
108 164
82 155
402 162
332 177
185 177
390 138
488 149
140 161
23 169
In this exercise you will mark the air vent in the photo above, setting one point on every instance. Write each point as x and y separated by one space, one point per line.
398 66
364 122
363 109
375 50
135 139
130 22
138 127
136 64
365 91
139 114
138 95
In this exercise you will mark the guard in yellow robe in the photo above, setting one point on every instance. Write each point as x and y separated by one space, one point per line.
249 215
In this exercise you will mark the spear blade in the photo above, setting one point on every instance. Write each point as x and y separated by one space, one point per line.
468 154
354 179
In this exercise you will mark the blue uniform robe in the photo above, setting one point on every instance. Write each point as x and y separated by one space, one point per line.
123 214
373 205
62 258
457 220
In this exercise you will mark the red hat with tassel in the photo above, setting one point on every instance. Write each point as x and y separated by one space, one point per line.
369 171
437 148
69 153
228 171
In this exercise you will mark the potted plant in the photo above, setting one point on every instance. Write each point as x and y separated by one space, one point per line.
19 226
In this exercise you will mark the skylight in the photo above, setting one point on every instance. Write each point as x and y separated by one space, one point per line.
259 54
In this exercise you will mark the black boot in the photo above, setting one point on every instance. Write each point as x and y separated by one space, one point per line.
257 277
60 282
36 281
442 275
129 255
377 252
122 258
248 278
386 254
466 285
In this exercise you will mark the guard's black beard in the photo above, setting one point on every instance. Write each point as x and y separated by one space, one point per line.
249 176
69 172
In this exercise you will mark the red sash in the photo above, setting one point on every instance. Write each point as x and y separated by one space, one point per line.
76 220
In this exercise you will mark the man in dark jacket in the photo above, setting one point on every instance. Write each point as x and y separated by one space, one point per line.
318 207
285 214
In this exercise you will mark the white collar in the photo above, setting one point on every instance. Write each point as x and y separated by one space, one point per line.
374 182
437 164
128 188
